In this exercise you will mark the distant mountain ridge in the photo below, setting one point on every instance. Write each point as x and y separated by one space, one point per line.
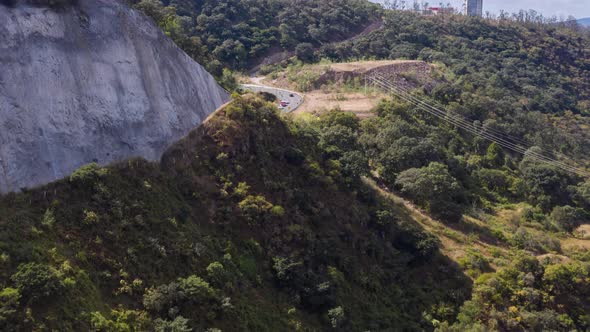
584 21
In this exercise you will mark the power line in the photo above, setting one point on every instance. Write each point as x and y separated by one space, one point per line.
493 130
471 128
456 120
509 137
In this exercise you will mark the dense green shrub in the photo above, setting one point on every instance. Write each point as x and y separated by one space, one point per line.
179 324
581 195
36 281
192 289
494 180
547 185
433 188
495 155
335 117
354 164
522 239
228 80
88 174
304 52
161 298
217 273
121 321
528 296
568 218
336 316
255 208
196 289
9 304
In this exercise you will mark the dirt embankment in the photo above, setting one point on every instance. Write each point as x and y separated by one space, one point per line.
406 73
358 103
342 85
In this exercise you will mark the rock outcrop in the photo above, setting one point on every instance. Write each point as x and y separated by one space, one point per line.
95 82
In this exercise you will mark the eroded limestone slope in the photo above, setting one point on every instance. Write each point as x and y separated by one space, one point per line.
96 82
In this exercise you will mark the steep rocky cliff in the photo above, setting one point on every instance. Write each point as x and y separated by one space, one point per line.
94 82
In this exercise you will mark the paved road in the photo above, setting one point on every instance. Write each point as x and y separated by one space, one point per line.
293 98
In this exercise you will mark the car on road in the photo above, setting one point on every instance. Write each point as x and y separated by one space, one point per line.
284 103
292 95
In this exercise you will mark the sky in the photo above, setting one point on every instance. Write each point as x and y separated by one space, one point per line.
576 8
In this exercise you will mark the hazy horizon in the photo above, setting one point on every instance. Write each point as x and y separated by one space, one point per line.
563 8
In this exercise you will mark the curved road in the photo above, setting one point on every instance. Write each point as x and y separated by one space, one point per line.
293 98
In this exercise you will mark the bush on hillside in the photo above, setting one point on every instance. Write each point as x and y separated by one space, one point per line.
9 304
88 174
179 324
36 281
433 188
304 52
568 218
196 289
161 298
256 209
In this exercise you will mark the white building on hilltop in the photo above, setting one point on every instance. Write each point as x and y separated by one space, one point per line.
474 7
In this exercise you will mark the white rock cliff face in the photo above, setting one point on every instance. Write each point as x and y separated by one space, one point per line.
98 82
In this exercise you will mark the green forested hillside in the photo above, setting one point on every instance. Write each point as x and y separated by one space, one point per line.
513 74
506 218
235 34
261 222
505 74
251 223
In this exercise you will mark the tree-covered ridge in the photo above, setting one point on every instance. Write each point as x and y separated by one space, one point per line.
502 74
463 182
234 34
446 171
251 223
260 222
256 222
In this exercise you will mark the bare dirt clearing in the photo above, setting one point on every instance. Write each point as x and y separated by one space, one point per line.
358 103
306 78
364 66
342 86
582 239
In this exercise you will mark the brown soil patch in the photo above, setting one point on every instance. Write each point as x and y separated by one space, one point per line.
572 243
358 103
583 232
340 85
364 66
406 73
581 239
554 259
